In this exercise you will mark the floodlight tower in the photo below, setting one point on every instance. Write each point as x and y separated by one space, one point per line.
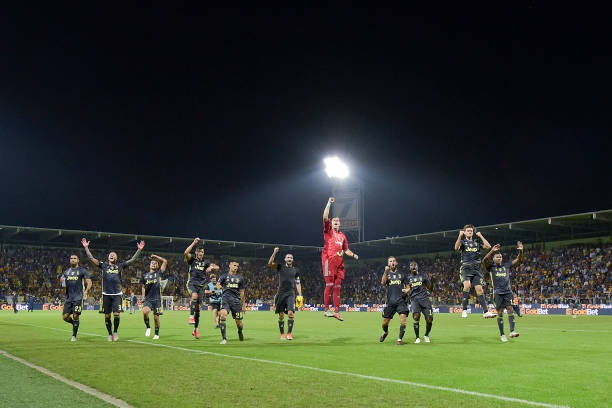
349 199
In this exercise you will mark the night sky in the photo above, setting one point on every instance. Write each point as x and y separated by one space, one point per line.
214 123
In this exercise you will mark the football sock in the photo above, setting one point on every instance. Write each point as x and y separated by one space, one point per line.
428 327
385 327
402 331
290 325
116 322
327 294
281 326
483 303
196 317
223 328
517 310
415 325
109 327
511 321
146 320
465 297
337 298
157 330
191 308
69 320
500 323
75 327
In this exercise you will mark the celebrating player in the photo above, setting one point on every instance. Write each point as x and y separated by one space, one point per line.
336 246
75 279
198 268
502 293
470 267
111 286
420 287
151 293
396 282
285 299
232 300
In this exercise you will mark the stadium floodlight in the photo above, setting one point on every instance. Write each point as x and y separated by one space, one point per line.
336 168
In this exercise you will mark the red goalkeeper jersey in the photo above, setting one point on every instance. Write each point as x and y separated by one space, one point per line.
335 243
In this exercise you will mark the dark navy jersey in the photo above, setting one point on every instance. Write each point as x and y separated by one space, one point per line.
215 297
418 284
231 284
500 278
152 284
197 271
395 283
75 282
111 277
470 251
287 277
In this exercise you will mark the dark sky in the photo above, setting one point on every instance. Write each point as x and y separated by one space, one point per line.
214 123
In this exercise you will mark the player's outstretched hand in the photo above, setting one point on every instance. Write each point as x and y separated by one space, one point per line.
85 243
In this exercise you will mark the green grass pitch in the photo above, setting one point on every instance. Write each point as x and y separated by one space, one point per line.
556 361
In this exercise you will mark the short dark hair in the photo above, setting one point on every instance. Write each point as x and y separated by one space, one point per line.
468 226
200 247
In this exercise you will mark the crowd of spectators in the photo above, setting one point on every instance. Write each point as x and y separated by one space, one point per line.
578 273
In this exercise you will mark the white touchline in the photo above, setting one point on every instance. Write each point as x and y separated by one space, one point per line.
91 391
345 373
367 377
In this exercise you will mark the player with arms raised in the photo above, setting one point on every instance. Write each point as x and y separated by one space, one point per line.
285 299
470 267
500 280
336 245
111 286
196 281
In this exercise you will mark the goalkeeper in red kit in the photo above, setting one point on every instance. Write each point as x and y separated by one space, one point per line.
335 246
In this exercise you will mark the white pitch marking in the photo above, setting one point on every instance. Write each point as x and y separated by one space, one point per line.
349 374
82 387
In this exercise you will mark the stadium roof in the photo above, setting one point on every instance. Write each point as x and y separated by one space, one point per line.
596 224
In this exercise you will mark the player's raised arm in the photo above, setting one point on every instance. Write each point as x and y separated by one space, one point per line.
85 244
164 262
212 267
327 208
188 250
486 260
271 260
485 243
520 256
458 242
383 280
140 246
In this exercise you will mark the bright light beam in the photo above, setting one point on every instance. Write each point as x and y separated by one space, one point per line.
335 168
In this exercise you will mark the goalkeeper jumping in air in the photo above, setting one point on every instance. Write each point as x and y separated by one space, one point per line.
285 300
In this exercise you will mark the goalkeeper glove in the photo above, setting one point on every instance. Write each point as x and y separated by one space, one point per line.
299 301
